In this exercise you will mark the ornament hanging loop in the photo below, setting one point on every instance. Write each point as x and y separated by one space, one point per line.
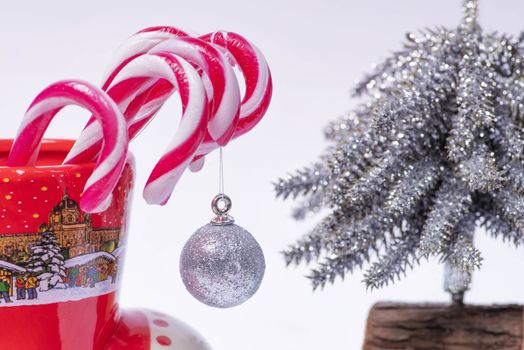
221 205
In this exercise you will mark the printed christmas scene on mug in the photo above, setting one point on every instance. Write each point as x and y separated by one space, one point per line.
50 250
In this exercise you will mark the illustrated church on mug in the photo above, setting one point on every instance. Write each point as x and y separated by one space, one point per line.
73 230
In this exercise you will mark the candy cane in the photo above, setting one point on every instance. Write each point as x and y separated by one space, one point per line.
255 70
258 83
88 145
138 44
98 188
225 90
254 104
256 73
192 128
257 77
224 97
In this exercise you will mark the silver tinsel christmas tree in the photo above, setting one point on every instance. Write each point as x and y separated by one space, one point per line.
434 150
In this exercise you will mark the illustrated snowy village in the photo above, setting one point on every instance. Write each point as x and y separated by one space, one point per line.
66 259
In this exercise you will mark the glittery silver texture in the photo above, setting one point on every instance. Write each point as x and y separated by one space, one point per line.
222 265
435 150
457 280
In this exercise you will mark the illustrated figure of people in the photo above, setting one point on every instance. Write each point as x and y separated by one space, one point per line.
4 289
114 271
98 275
91 276
73 276
31 284
81 277
20 287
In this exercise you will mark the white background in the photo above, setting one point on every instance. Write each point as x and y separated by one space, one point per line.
316 50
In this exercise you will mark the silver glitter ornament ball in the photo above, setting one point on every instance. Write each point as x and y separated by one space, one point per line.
222 265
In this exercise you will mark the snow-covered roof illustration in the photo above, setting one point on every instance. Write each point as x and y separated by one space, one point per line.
86 258
116 253
12 267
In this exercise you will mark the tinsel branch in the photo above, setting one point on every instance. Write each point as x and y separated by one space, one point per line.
376 180
417 181
510 206
480 171
459 251
498 227
307 249
311 245
403 62
346 129
303 182
311 205
461 254
396 260
352 244
507 139
451 203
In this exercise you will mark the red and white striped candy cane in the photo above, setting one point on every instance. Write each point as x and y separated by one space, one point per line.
255 70
90 141
136 45
191 132
254 104
98 188
223 95
193 125
258 83
224 91
257 76
139 44
257 97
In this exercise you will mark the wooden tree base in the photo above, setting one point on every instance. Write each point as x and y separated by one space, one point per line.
394 326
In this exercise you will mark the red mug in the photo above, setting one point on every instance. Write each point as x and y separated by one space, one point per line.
60 268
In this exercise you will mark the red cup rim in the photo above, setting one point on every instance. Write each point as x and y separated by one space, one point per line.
52 153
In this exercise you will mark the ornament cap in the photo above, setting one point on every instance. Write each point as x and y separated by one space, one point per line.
221 205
